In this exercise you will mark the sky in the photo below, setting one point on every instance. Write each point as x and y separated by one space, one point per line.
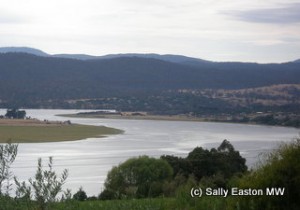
217 30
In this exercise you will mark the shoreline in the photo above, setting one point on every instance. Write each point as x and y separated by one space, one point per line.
147 117
163 118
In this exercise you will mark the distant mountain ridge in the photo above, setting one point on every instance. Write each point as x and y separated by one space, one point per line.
23 50
180 59
149 73
28 80
170 58
168 84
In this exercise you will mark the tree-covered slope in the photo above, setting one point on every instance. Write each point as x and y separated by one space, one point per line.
26 77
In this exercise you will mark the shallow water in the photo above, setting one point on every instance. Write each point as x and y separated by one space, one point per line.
88 161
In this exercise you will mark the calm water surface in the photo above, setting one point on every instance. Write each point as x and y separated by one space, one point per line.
89 160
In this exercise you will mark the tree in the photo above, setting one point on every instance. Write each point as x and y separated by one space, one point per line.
80 195
180 165
137 177
8 155
203 162
226 146
15 114
45 186
221 163
231 160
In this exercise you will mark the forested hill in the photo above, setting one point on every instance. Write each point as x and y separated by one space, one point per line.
25 77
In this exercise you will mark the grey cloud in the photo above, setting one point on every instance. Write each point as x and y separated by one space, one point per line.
288 14
291 39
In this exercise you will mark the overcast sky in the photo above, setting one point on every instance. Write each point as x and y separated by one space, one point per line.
217 30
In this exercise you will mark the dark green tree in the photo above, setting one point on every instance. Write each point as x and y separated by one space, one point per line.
15 114
231 162
203 162
221 163
80 195
137 177
180 165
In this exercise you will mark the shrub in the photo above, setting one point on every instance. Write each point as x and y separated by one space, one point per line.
8 153
281 169
45 186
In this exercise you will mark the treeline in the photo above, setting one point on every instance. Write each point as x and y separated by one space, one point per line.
164 103
271 119
169 103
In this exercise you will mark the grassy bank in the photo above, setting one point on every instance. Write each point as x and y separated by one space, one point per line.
216 203
24 133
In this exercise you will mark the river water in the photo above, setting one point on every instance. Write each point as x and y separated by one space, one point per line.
89 160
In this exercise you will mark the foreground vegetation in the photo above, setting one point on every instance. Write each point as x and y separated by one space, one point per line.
145 177
165 183
177 203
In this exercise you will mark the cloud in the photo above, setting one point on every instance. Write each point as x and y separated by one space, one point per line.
9 18
288 14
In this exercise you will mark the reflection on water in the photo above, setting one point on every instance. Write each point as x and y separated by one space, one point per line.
88 161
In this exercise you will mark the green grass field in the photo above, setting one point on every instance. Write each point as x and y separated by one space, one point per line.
179 203
31 134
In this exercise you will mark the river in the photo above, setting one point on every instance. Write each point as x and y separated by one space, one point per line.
89 160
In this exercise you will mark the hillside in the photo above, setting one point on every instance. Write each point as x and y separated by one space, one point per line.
129 83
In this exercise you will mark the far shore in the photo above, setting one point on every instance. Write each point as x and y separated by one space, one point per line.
137 117
143 116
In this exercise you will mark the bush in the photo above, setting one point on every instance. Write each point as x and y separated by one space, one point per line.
45 187
281 169
8 154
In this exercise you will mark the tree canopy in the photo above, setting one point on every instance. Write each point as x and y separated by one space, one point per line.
15 114
137 177
149 177
200 162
